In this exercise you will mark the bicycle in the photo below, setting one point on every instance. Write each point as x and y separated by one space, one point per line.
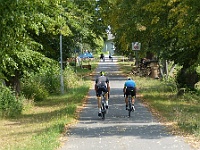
130 109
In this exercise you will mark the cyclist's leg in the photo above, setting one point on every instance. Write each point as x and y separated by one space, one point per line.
99 92
133 99
105 90
126 97
133 93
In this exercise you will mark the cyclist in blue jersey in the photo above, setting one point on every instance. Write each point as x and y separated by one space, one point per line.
129 86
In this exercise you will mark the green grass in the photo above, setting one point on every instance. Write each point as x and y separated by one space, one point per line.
161 97
127 67
41 125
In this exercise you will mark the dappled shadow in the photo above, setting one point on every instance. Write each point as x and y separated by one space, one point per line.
64 99
26 132
45 117
118 130
55 108
111 71
143 131
117 123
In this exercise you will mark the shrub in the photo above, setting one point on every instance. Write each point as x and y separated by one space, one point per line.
34 90
71 80
47 81
39 85
10 105
49 76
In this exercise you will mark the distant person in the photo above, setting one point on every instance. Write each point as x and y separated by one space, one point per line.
102 57
129 87
102 86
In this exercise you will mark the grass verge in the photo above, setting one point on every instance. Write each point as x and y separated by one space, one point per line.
180 114
42 123
41 126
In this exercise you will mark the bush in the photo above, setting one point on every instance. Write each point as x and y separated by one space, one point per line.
49 76
47 81
34 90
39 85
10 105
71 80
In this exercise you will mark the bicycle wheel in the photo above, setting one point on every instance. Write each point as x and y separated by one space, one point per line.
129 106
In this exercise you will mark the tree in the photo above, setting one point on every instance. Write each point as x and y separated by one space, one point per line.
166 28
185 31
29 33
20 21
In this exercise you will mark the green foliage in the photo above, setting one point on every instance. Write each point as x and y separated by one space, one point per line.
49 76
71 80
39 85
47 81
34 90
167 29
162 28
10 105
187 78
30 33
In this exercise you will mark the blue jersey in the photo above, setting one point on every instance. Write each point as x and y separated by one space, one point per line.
130 84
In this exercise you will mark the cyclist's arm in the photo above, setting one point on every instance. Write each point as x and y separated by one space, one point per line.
107 84
108 87
124 89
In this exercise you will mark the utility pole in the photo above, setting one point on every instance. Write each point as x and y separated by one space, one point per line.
61 67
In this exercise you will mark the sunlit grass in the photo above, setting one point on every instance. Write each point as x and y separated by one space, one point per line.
182 110
127 67
161 97
42 123
40 126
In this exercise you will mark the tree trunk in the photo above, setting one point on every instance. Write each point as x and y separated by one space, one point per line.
14 82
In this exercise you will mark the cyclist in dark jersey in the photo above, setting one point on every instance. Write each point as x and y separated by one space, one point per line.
129 86
102 85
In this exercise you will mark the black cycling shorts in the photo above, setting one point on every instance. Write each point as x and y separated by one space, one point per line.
131 91
100 90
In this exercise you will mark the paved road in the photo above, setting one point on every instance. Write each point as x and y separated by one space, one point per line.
118 132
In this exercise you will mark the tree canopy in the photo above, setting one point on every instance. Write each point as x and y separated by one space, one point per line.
30 30
169 29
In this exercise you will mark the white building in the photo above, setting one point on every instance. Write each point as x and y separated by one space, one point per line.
109 45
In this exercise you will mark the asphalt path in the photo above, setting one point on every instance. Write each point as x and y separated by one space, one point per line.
142 131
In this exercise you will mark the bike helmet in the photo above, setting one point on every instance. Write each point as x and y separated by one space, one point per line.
129 78
102 73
